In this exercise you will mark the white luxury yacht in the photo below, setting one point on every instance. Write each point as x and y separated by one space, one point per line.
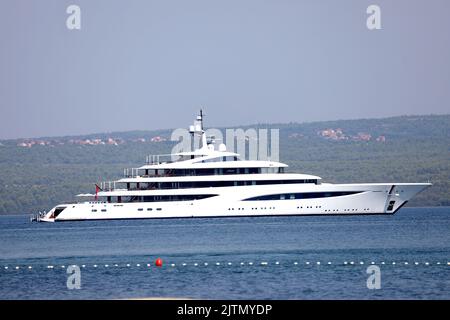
216 183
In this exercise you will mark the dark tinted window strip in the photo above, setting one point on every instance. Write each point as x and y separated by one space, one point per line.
58 210
208 184
168 198
304 195
203 172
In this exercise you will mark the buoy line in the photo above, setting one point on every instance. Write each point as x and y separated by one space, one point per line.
158 263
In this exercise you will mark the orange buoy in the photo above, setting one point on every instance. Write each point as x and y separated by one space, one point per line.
158 262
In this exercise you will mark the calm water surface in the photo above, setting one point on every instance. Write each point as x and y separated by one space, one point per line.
302 257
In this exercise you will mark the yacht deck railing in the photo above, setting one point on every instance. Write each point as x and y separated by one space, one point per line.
108 185
145 173
158 159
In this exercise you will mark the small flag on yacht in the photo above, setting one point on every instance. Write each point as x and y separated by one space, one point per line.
97 189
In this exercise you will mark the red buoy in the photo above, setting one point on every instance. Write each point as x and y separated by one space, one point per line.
158 262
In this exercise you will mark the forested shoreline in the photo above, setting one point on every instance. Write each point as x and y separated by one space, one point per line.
397 149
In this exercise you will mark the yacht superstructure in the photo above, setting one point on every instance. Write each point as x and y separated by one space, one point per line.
210 182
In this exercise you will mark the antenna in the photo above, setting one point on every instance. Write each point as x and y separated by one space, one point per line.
201 119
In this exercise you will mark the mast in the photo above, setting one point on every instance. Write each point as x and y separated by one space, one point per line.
201 119
197 128
202 132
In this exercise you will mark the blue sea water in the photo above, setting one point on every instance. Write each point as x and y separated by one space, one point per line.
322 257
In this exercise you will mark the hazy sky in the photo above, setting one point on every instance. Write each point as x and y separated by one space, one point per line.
152 64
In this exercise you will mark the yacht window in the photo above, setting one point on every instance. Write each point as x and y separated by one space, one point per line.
230 171
391 205
165 198
230 158
58 210
208 184
304 195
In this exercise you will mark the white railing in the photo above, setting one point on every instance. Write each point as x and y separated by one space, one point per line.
131 172
147 173
158 158
107 185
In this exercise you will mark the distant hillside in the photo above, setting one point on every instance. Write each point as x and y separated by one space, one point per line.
36 174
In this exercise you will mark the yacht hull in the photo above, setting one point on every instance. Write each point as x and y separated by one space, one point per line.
245 201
